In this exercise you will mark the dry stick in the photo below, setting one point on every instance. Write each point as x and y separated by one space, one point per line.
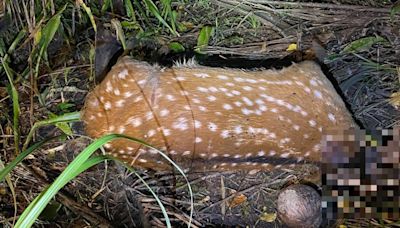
71 204
323 5
276 181
242 11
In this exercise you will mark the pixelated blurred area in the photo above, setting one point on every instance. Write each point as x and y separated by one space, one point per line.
360 174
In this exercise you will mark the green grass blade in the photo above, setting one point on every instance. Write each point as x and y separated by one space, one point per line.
89 13
78 165
7 169
15 102
68 117
204 37
154 10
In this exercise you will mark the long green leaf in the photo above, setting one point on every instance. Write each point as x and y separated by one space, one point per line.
15 102
7 169
79 163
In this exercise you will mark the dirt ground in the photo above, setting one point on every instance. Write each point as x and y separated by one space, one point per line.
247 34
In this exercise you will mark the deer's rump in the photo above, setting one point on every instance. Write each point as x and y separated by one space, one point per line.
215 118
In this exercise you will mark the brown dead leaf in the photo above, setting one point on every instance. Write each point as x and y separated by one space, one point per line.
237 200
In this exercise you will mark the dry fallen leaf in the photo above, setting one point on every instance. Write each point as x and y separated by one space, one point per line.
395 100
268 217
237 200
292 47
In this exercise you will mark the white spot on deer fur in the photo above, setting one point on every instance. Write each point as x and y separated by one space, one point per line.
248 155
202 108
252 81
239 79
180 78
107 105
247 101
247 88
307 89
227 106
107 145
235 92
202 89
318 94
121 130
261 153
304 113
238 103
141 82
246 111
142 160
222 89
111 128
149 115
187 107
123 74
213 155
201 75
164 112
259 101
173 152
296 127
187 152
312 123
313 82
331 117
238 129
274 110
211 98
99 114
166 131
222 77
263 108
92 117
218 113
224 134
213 89
237 156
307 154
128 94
306 136
212 126
197 124
94 102
184 93
299 83
285 155
230 84
151 133
137 99
119 103
117 92
180 124
226 155
170 97
262 88
109 87
229 94
272 153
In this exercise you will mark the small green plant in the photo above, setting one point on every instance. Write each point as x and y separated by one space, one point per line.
82 162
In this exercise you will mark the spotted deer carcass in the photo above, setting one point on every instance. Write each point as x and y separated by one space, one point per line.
208 118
